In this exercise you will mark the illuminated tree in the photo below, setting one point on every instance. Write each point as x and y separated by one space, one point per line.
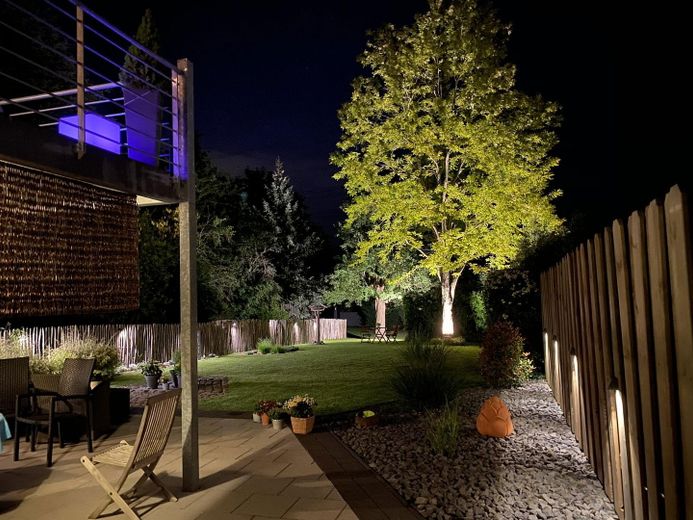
440 153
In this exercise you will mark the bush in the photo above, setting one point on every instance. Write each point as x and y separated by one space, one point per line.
502 362
277 349
443 430
105 356
425 378
264 345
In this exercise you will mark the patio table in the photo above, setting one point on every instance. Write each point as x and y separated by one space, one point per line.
4 430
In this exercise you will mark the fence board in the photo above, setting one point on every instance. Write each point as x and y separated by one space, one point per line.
681 275
645 359
667 397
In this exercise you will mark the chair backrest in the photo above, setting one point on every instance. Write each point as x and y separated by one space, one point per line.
155 428
75 376
14 380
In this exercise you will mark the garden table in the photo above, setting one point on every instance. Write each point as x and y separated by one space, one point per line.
4 430
380 334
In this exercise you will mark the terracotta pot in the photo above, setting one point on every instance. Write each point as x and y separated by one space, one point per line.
265 419
256 417
301 426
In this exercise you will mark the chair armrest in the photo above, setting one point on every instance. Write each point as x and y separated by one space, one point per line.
40 392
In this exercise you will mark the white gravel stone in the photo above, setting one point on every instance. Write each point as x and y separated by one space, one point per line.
539 472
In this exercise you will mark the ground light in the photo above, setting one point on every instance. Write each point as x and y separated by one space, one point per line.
575 394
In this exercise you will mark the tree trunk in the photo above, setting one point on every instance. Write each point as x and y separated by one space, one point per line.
380 306
448 283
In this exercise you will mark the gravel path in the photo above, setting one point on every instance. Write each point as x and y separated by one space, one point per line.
539 472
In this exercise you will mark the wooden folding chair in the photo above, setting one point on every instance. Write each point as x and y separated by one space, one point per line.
144 454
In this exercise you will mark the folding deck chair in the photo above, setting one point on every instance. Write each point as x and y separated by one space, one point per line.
144 454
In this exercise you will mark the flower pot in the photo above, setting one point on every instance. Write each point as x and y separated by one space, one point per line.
167 385
277 424
142 124
152 382
366 422
256 417
265 419
302 426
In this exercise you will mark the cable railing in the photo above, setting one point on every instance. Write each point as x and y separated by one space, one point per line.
68 70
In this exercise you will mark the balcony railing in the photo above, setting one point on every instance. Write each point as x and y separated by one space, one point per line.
66 68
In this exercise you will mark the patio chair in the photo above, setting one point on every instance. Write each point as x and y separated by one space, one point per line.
391 334
144 454
73 390
14 381
366 334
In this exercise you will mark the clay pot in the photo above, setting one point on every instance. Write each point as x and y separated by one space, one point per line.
302 426
265 419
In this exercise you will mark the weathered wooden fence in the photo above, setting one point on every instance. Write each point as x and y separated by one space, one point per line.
618 340
158 341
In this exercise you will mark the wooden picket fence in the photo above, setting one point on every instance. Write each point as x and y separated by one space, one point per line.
618 341
159 341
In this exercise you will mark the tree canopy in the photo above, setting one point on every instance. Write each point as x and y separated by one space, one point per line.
440 152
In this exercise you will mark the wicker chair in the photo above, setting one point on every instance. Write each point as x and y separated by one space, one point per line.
14 381
144 454
72 400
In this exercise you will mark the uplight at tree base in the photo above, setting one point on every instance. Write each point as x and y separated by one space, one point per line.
448 326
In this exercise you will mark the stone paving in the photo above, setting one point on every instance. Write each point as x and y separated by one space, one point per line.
246 471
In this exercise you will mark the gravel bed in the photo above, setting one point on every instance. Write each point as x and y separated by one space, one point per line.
539 472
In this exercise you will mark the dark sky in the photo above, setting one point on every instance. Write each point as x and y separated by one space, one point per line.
270 76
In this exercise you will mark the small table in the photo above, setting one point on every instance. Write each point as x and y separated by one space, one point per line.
379 334
4 431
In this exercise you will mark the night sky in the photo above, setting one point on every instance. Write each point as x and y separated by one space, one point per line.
270 77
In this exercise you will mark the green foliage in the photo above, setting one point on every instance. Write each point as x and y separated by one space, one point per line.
278 349
11 346
478 305
443 429
440 153
150 368
264 343
425 377
502 362
139 65
277 414
513 295
105 356
421 312
176 361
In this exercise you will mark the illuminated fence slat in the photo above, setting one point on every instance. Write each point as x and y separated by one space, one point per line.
159 341
618 333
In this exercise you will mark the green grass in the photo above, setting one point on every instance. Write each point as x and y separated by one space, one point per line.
342 375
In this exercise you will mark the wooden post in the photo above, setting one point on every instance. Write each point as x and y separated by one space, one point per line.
188 277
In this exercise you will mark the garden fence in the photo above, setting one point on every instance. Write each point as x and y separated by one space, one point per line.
158 341
618 341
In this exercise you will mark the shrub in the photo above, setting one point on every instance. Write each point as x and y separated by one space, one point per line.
263 343
278 349
502 362
105 356
443 430
176 361
425 378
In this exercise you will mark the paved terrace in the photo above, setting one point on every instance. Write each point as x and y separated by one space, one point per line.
246 472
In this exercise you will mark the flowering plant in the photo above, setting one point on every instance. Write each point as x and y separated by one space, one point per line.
265 406
300 406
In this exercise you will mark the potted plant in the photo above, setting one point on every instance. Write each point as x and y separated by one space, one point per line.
141 85
277 416
265 408
151 372
175 371
366 419
300 408
257 411
165 381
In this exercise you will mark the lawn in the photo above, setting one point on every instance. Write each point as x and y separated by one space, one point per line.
342 375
